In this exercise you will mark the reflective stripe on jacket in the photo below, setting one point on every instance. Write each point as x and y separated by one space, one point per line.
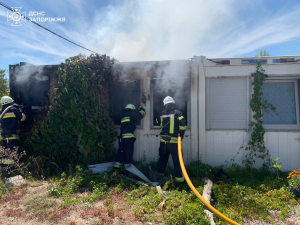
129 120
10 120
172 124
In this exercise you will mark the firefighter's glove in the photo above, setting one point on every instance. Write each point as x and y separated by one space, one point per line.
182 137
141 108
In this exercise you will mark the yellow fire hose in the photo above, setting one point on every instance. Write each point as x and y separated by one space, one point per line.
208 206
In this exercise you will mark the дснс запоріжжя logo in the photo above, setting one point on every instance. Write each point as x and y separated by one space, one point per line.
34 16
16 16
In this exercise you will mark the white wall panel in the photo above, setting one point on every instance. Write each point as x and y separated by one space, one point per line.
223 145
293 151
283 152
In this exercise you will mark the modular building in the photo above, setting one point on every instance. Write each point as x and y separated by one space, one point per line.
214 97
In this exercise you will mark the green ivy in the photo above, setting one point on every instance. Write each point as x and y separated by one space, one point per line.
256 145
77 129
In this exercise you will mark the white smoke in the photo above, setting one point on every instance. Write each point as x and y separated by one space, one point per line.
26 72
159 30
172 29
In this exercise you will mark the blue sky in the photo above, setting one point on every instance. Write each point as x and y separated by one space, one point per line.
135 30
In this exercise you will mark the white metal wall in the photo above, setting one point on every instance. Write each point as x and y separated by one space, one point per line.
216 146
224 145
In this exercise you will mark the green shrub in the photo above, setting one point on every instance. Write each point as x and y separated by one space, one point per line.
77 129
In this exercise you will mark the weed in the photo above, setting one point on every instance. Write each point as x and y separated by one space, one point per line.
40 206
71 223
59 213
91 213
3 189
111 211
238 201
15 203
14 194
96 222
277 165
14 156
14 213
249 193
66 186
107 202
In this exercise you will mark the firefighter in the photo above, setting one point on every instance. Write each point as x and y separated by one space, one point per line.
9 123
127 138
173 124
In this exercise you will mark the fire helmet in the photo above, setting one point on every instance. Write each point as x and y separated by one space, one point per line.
6 100
168 100
129 106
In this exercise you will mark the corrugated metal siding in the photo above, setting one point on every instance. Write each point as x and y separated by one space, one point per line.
148 144
223 145
286 146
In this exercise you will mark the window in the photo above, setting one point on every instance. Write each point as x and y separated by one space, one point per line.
284 96
227 101
121 94
179 92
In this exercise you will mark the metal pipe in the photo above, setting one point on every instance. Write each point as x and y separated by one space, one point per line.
208 206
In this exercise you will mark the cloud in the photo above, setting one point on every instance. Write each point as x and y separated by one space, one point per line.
135 30
171 29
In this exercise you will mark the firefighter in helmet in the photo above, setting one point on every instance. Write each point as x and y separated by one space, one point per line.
173 124
127 138
9 123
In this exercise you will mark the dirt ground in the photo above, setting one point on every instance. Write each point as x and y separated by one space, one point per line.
31 204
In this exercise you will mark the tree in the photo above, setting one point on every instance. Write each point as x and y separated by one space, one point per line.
3 84
263 53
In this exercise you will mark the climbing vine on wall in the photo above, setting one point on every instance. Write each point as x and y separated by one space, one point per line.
256 146
77 129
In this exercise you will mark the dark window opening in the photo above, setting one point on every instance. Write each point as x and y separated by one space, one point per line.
178 91
121 94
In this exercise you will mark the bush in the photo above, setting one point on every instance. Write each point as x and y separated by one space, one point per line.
77 129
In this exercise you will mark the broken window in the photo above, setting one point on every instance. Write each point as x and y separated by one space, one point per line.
284 96
179 91
121 94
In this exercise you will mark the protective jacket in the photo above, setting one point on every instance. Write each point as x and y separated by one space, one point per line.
173 124
9 122
129 120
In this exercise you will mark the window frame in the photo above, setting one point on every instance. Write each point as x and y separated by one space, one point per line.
188 121
285 127
207 111
140 126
